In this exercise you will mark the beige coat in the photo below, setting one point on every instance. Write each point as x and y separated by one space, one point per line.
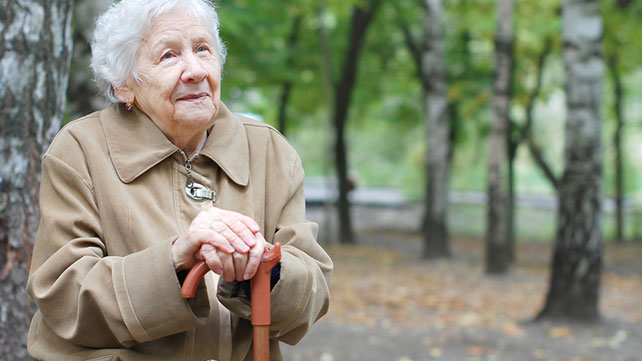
112 201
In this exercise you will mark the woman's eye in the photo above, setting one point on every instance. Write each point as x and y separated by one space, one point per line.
202 48
167 55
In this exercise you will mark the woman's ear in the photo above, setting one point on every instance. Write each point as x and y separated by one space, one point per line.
124 93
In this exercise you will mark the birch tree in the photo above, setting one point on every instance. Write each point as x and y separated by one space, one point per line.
430 59
577 259
35 51
498 232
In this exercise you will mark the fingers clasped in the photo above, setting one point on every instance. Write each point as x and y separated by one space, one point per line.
235 266
229 242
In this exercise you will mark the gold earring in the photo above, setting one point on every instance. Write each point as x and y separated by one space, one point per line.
128 106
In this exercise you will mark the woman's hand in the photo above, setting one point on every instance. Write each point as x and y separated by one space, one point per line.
226 231
236 266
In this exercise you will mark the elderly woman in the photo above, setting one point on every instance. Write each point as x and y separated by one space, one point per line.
134 195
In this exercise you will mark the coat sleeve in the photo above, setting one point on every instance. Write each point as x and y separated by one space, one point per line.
302 295
88 297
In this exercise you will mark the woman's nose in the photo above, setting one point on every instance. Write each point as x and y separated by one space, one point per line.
194 70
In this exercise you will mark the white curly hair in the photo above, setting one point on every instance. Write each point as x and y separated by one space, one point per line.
119 32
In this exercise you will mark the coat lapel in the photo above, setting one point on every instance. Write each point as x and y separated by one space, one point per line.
136 144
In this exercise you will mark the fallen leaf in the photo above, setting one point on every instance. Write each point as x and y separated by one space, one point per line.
613 342
619 337
428 341
468 319
478 350
559 332
540 353
435 352
512 329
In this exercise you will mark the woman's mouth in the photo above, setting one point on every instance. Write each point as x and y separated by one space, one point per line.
193 97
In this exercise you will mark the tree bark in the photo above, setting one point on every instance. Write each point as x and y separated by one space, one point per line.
617 144
499 178
361 18
35 51
577 259
433 65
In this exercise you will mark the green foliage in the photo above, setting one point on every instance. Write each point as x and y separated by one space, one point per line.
623 54
621 32
386 126
258 62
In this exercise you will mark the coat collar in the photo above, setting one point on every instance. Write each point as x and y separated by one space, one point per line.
136 144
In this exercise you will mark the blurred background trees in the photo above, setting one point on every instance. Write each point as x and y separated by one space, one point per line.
499 237
486 115
577 260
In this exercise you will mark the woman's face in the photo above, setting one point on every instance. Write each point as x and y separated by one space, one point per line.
181 77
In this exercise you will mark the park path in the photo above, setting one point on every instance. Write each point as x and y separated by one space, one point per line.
389 305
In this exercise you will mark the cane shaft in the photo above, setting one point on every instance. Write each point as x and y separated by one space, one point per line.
260 298
261 344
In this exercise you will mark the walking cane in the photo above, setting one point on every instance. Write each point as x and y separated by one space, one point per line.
260 298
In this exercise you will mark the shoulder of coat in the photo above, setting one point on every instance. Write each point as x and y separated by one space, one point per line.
70 137
254 125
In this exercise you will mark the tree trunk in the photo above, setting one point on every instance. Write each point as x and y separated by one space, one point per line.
510 232
577 260
499 177
617 144
361 18
429 57
326 70
286 88
35 52
436 243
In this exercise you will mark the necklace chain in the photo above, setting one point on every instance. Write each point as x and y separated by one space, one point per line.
195 191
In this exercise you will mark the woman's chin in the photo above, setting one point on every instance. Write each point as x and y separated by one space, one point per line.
196 116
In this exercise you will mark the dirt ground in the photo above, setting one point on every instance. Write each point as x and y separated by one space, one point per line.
387 304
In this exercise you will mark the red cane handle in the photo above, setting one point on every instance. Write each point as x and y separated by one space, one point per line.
194 277
198 271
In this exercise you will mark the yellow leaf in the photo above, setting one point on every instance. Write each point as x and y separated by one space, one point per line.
512 329
435 352
428 341
559 332
540 353
478 350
